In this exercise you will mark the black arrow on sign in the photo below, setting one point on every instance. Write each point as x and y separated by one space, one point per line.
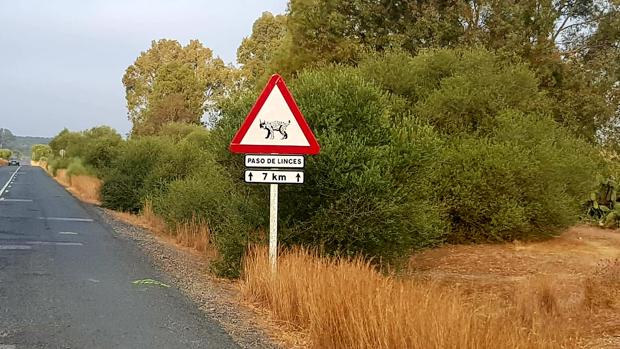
250 175
298 176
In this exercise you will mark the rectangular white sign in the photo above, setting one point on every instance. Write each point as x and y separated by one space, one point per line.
275 177
274 161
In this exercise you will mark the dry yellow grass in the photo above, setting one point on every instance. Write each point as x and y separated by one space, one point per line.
341 303
86 188
194 234
63 178
153 221
42 164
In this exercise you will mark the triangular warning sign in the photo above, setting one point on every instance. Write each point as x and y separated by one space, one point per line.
275 125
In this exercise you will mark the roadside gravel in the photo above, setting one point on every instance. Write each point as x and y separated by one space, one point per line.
190 273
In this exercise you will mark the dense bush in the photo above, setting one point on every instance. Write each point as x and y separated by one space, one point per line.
40 151
507 170
58 163
466 153
457 90
527 179
362 195
124 186
77 168
97 147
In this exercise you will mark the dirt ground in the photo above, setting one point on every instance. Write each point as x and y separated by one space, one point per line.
565 262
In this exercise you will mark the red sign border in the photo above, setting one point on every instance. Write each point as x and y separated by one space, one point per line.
311 149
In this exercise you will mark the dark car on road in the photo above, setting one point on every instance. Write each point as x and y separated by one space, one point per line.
13 162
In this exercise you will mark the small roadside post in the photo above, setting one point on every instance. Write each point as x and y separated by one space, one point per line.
275 137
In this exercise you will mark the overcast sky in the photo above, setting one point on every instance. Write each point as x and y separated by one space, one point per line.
61 62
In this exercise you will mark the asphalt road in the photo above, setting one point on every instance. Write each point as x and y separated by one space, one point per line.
67 282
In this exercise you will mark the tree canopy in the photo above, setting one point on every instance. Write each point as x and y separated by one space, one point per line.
170 82
573 46
257 50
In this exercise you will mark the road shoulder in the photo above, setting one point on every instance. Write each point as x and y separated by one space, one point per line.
219 299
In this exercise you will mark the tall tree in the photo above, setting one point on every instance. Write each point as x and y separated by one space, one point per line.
189 76
327 31
6 137
256 51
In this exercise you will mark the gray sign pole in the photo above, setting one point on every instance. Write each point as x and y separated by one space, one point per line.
273 227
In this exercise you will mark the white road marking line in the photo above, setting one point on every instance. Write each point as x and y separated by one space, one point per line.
15 200
7 346
15 247
67 233
7 182
67 219
54 243
91 280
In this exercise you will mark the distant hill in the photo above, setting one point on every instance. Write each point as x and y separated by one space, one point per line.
20 145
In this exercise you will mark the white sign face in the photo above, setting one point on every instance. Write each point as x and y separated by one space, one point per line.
274 161
274 177
275 124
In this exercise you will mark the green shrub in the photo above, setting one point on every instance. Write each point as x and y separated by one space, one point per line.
97 147
411 77
120 192
124 184
212 196
101 149
70 142
148 165
58 163
457 91
177 160
40 151
527 179
178 130
77 168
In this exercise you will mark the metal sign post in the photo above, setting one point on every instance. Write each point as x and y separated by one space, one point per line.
273 227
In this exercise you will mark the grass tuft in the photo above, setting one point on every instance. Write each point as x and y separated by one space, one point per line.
194 234
602 289
85 187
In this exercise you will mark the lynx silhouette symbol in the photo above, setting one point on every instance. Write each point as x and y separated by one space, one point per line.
273 126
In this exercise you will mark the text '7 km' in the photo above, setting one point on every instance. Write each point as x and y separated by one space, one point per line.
252 176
